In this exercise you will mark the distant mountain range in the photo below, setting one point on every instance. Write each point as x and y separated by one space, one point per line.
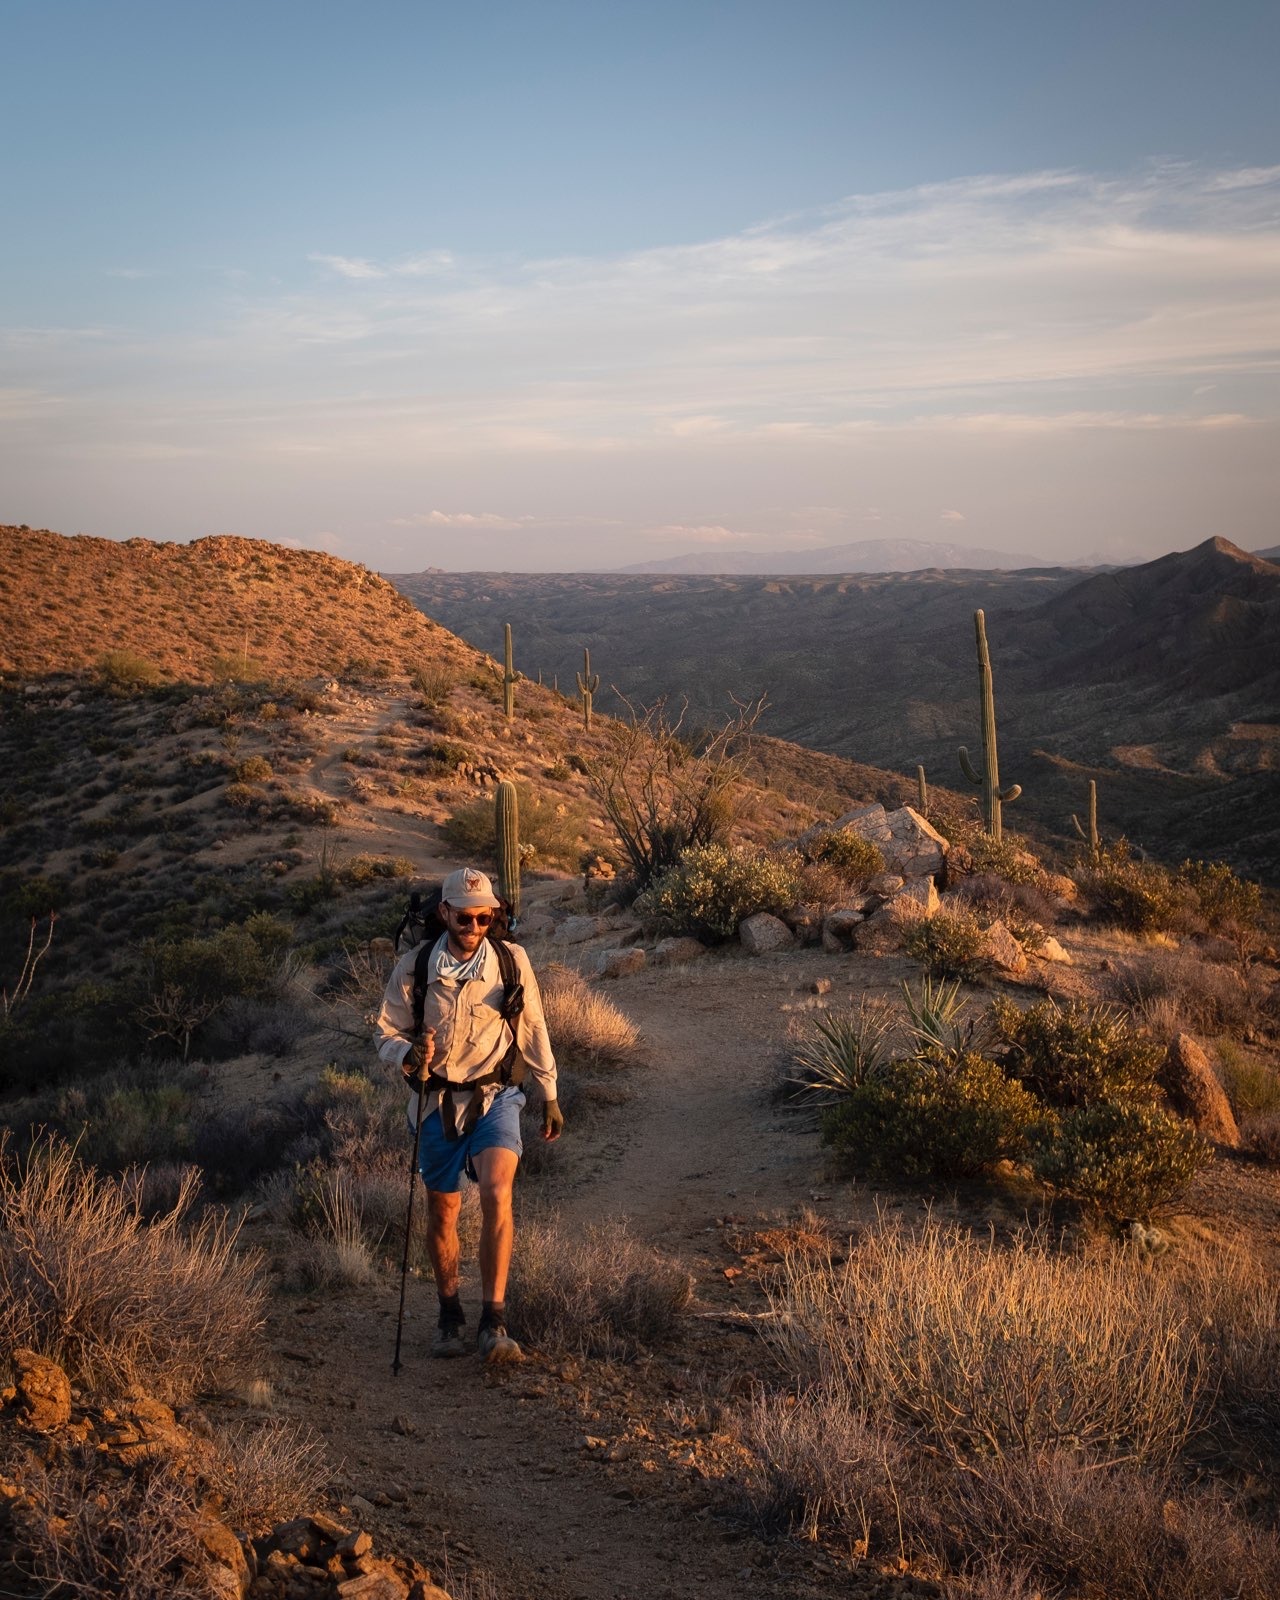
863 555
1162 681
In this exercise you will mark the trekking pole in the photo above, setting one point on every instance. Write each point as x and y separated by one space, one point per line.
408 1221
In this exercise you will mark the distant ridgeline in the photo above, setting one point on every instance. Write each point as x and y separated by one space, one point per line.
1161 681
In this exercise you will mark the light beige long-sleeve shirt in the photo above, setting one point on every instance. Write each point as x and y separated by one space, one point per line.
471 1037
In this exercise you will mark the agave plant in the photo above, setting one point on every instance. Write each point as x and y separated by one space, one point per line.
842 1051
936 1021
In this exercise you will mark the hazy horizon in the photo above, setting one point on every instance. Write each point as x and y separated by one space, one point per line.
582 290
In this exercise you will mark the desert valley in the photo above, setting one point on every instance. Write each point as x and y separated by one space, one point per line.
914 1229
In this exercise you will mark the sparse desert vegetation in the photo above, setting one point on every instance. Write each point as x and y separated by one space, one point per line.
915 1209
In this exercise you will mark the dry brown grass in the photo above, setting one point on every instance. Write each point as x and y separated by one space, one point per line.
583 1024
1175 991
267 1472
977 1347
1011 1417
139 1541
597 1291
168 1304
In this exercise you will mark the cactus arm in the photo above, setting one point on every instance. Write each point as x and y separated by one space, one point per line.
966 766
507 832
1011 793
922 792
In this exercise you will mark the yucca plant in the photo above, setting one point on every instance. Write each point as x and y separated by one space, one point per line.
936 1020
842 1052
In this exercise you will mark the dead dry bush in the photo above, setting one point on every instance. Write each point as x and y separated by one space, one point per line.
1113 1532
822 1467
583 1024
596 1292
267 1472
1238 1303
1262 1136
1174 991
976 1347
113 1299
139 1541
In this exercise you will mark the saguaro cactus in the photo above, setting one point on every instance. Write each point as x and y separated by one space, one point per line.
507 833
588 683
1090 838
923 793
993 796
508 674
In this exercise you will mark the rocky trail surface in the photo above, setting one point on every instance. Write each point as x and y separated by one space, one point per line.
570 1480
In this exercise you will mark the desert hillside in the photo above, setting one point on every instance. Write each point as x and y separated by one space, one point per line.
218 607
841 1067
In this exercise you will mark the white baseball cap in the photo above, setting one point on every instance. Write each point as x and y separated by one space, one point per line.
467 888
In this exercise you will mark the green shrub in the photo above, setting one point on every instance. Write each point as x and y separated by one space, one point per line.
1003 857
363 869
1123 1161
854 858
446 755
550 831
1077 1055
181 983
1251 1086
946 944
126 669
240 796
1225 901
711 888
926 1119
253 769
237 668
1139 895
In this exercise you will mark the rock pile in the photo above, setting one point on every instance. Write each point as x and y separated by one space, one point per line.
44 1422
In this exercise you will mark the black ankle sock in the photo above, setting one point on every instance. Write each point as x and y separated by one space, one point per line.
494 1311
451 1308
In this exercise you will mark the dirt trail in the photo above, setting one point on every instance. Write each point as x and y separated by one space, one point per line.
497 1465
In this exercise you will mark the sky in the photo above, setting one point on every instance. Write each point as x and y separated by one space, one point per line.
565 286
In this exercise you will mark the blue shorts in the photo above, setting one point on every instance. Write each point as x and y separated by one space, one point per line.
442 1161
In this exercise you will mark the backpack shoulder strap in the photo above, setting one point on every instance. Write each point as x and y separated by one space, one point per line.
512 987
421 976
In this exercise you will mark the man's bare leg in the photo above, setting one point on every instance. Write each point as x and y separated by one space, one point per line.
496 1170
442 1240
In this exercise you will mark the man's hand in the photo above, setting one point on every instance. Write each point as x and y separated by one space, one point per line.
552 1120
420 1055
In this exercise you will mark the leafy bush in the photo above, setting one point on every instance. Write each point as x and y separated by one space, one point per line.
550 831
126 670
240 796
253 769
362 869
1076 1055
1225 901
924 1118
1251 1085
1139 895
946 944
711 888
181 983
854 858
1123 1161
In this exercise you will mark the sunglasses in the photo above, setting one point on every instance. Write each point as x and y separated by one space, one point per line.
481 919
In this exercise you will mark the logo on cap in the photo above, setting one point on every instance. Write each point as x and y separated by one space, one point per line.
473 882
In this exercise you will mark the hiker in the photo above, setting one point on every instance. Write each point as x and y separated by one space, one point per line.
473 1062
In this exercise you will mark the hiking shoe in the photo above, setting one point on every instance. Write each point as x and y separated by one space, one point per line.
494 1344
448 1340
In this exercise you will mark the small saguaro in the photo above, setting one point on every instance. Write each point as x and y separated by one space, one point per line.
993 796
507 838
508 674
588 683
